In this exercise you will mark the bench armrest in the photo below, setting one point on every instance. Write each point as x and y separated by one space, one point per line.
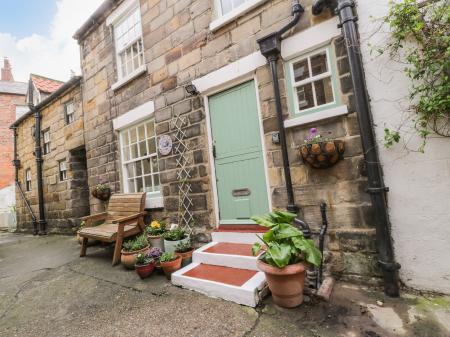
128 218
94 217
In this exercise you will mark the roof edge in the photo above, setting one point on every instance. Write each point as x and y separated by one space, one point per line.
94 19
74 81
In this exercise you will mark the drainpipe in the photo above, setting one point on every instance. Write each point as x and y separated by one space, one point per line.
270 47
376 187
16 164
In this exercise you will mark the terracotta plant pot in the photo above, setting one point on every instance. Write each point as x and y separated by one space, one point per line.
171 266
322 154
286 284
186 257
128 259
156 241
144 270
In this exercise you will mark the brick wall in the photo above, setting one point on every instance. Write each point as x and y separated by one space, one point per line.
8 104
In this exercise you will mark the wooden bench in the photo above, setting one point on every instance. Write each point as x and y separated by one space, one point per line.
123 218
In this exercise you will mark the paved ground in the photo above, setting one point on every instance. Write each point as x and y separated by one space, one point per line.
46 290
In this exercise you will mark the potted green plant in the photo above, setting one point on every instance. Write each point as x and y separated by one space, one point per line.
144 265
173 237
101 192
155 231
170 263
285 252
185 250
131 248
321 152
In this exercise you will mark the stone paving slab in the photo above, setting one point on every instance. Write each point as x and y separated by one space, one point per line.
46 290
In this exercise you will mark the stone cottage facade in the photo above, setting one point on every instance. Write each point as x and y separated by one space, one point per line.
138 59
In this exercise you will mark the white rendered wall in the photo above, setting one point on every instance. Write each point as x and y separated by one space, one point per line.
419 197
7 200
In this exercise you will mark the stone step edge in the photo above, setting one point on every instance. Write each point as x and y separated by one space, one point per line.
248 294
236 237
225 260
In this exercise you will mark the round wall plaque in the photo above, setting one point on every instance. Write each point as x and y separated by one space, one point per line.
165 145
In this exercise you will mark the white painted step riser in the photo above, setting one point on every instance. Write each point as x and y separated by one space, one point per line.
248 294
235 237
232 261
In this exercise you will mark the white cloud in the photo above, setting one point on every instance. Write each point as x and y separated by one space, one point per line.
54 55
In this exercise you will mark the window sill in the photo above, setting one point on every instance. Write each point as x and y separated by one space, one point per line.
154 202
234 14
120 83
316 116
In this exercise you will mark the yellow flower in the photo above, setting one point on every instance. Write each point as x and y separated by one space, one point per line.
155 225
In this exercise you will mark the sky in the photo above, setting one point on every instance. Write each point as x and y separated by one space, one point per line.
36 36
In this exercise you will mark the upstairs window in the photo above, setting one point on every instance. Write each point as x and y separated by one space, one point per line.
46 136
28 180
226 6
69 112
312 79
128 43
62 170
139 158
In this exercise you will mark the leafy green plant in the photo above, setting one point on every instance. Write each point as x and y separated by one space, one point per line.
284 243
136 244
143 259
175 234
315 137
183 247
167 257
101 187
420 37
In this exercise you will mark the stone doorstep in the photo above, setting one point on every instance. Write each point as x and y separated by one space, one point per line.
242 236
241 286
226 254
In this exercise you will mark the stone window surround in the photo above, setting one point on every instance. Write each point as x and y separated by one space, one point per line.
222 20
135 116
69 117
62 169
28 186
116 16
47 141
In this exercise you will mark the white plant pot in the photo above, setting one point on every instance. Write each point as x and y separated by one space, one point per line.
156 241
169 246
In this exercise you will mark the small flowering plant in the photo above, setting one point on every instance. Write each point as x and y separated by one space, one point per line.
314 137
144 259
155 253
156 228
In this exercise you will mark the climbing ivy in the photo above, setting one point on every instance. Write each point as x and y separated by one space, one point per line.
420 37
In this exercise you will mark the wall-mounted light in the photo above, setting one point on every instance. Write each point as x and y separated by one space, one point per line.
191 89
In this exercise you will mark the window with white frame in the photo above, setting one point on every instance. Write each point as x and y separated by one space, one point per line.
46 136
69 108
312 80
128 43
28 180
139 158
226 6
62 170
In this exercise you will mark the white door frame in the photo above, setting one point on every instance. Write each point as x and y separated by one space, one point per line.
228 85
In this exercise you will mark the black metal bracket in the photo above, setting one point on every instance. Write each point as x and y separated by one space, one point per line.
389 266
376 190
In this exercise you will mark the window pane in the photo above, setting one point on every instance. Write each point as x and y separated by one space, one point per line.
301 70
125 138
155 167
151 146
227 6
141 132
305 96
130 170
150 129
319 63
139 186
134 151
156 186
142 149
138 168
133 138
324 91
126 153
148 184
146 166
131 185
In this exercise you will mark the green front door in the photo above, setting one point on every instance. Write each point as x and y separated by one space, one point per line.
241 182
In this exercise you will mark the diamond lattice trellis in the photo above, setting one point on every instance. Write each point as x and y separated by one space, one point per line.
185 215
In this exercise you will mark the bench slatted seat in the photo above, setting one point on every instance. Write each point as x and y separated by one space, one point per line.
123 218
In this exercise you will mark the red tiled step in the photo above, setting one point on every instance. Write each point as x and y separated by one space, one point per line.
229 248
231 276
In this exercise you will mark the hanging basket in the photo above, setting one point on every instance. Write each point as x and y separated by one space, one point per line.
322 154
103 194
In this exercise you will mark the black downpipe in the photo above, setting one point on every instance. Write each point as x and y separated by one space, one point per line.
376 187
323 232
38 153
270 47
16 164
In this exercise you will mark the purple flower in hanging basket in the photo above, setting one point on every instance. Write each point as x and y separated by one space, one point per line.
313 131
